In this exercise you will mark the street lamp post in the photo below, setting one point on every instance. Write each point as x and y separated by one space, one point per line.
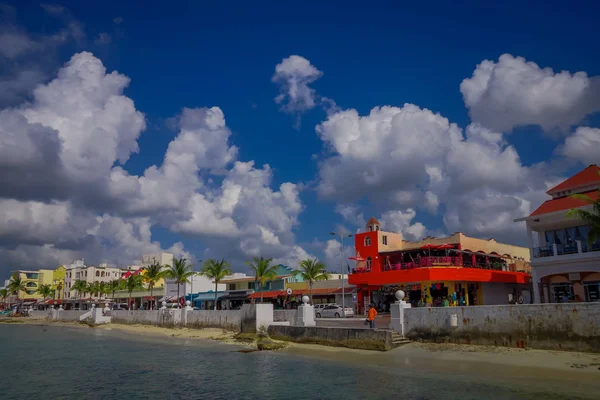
192 285
342 236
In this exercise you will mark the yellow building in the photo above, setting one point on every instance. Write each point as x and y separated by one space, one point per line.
32 280
58 282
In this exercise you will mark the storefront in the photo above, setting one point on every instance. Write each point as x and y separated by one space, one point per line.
592 291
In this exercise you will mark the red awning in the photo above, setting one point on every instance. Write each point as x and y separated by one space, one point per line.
429 246
52 302
129 273
270 294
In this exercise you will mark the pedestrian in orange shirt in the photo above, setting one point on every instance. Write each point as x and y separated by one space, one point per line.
371 316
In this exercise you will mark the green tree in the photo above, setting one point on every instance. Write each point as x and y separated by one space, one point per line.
104 289
92 288
154 273
263 271
4 293
45 291
181 272
216 270
591 217
311 270
113 286
134 282
80 287
16 285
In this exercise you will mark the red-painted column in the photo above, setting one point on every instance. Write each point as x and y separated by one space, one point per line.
474 260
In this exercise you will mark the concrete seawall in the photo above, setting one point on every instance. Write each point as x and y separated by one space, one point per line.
339 337
284 315
573 326
226 319
70 315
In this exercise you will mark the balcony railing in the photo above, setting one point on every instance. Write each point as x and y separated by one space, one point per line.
429 262
576 247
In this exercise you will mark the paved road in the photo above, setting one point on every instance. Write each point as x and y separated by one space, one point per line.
356 322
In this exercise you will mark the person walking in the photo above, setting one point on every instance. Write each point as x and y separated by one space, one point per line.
371 316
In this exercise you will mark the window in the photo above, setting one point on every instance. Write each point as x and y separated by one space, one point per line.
368 241
102 274
384 240
97 273
31 284
370 228
369 262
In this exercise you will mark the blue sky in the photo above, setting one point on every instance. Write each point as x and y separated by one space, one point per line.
198 54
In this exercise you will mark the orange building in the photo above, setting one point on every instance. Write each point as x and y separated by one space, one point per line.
457 270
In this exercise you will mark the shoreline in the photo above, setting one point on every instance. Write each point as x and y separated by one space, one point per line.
484 362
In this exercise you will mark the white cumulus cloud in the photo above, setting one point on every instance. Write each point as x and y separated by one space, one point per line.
293 75
583 145
513 91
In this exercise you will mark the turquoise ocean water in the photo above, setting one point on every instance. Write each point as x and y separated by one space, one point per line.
74 363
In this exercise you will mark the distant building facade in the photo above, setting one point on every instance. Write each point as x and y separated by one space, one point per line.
457 268
565 266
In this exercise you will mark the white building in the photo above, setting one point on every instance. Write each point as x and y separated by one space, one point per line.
564 265
79 271
198 284
160 258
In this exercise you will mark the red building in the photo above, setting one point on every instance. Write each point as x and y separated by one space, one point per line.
455 270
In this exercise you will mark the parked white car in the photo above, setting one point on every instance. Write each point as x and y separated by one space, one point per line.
320 307
335 311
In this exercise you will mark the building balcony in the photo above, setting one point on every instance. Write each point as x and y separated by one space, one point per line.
555 250
437 262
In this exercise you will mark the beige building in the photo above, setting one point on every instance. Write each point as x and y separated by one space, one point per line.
90 274
32 280
160 258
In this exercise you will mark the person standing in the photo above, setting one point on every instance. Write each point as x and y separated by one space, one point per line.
371 316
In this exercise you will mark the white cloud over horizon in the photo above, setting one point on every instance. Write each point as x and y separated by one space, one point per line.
67 192
73 139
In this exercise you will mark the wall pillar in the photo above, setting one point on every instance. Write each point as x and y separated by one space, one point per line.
536 286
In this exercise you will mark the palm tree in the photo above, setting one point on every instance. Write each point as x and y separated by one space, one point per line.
45 291
104 289
113 286
81 287
134 282
216 270
16 285
91 288
59 289
591 217
154 273
311 270
263 270
181 272
4 293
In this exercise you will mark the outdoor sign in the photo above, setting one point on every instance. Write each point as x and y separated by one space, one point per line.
289 291
354 298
